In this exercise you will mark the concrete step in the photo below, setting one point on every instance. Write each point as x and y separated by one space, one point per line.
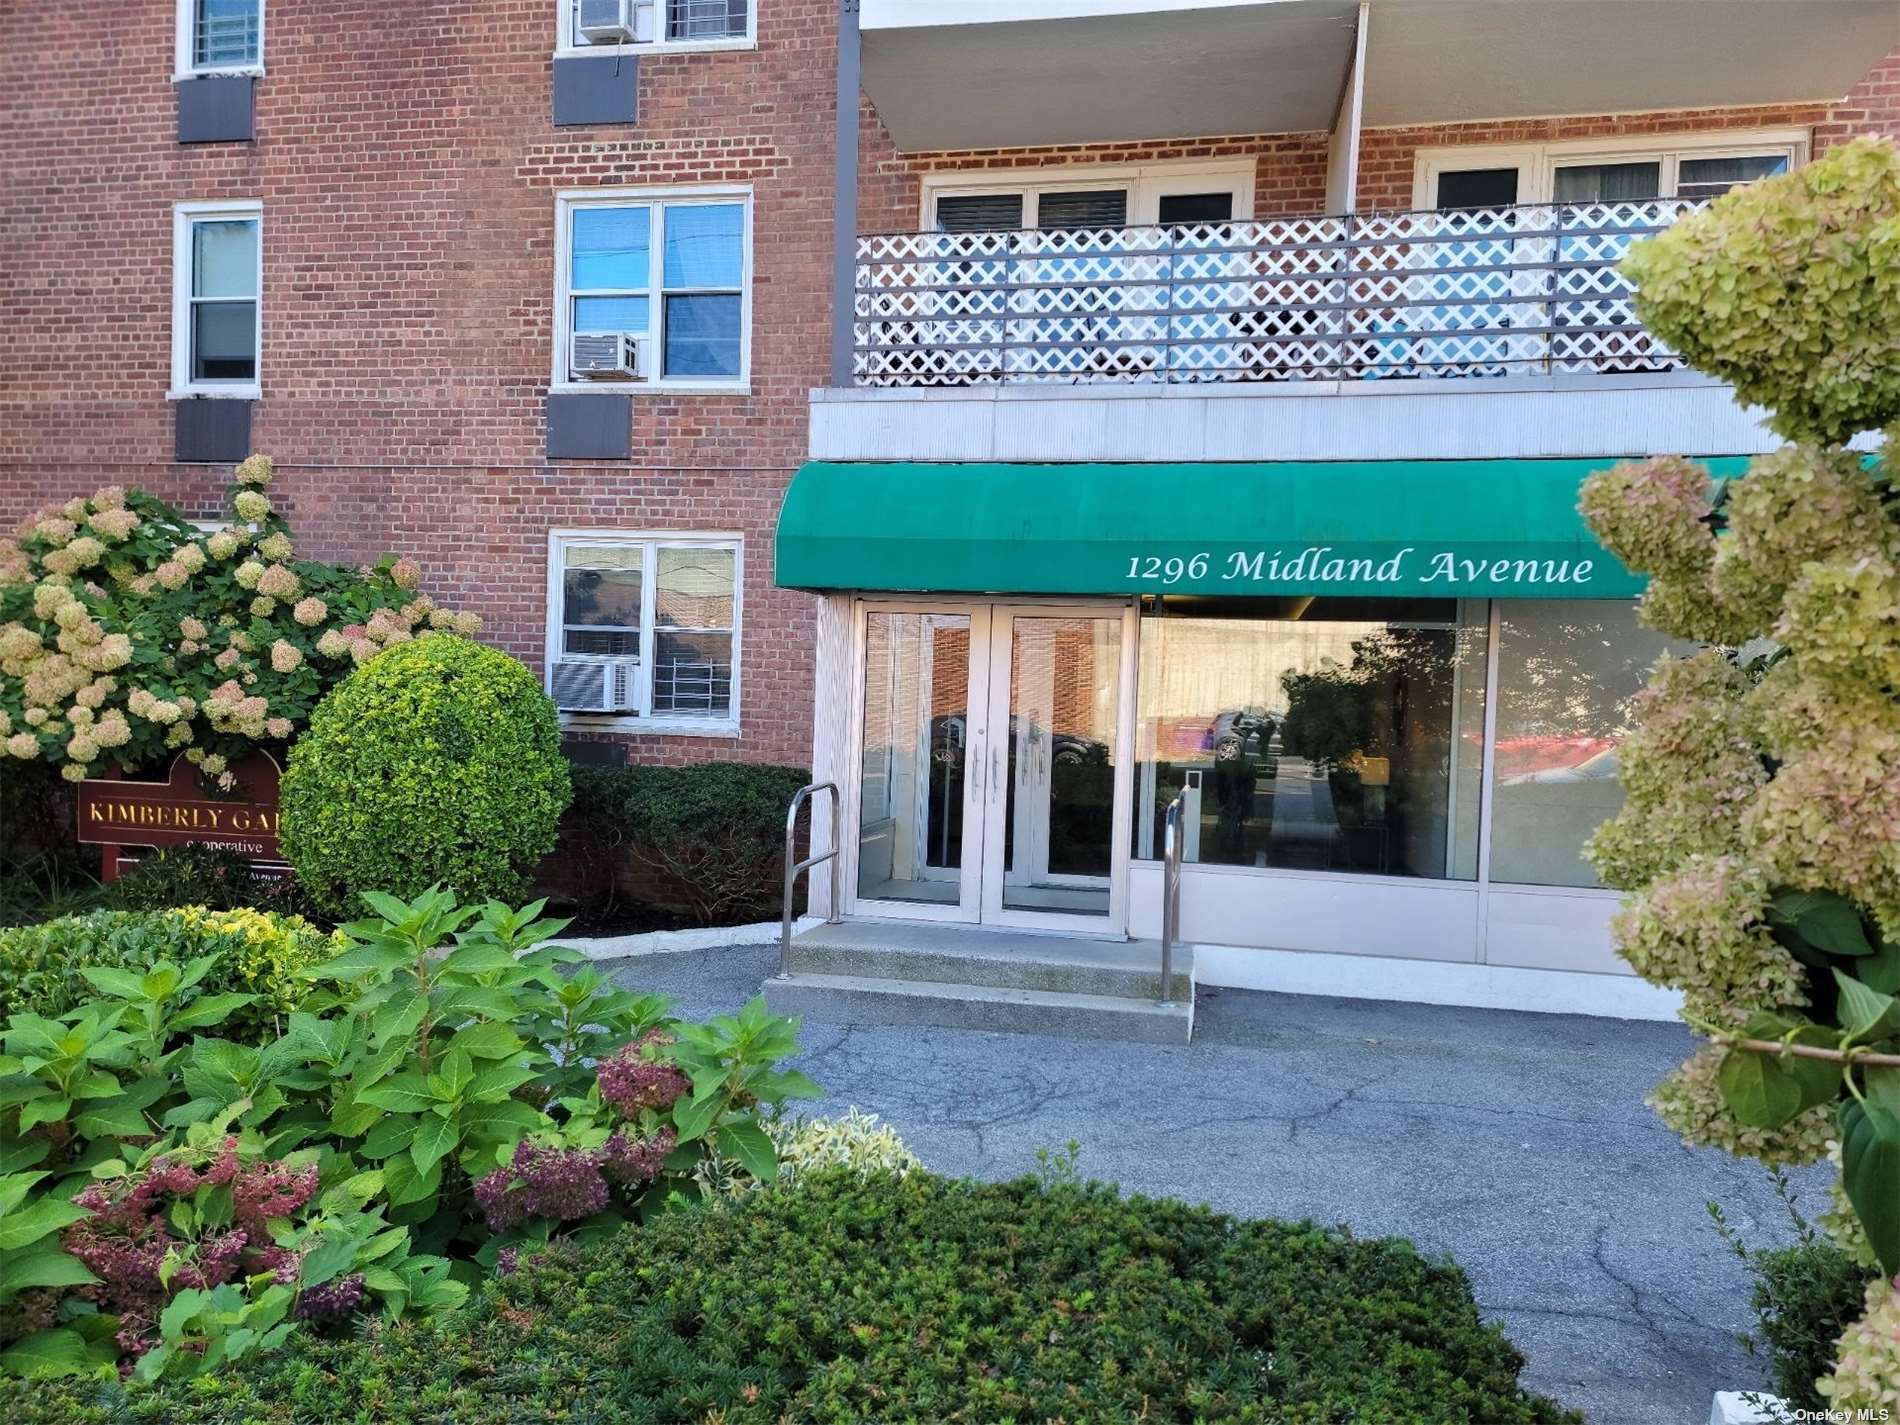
998 959
865 999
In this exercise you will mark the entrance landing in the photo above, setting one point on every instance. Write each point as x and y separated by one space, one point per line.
979 977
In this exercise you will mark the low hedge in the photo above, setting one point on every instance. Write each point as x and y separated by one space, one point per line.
709 838
913 1299
257 954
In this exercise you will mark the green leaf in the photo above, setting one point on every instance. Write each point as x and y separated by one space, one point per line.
43 1267
120 984
454 1076
389 1137
1828 922
494 1082
362 960
18 1153
43 1110
435 1138
692 1117
1883 1088
1881 970
405 1093
480 958
745 1140
35 1220
787 1083
1867 1014
112 1120
58 1352
490 1040
328 1258
1758 1089
1870 1173
405 1184
212 1009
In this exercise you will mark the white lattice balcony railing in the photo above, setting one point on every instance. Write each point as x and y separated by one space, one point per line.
1463 292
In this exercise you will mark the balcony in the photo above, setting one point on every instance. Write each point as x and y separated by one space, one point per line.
1470 292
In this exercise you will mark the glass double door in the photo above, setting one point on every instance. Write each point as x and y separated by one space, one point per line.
994 774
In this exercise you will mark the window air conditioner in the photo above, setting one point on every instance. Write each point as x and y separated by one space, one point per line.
613 22
603 686
598 356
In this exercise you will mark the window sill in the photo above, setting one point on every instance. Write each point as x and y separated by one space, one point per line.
215 393
650 388
240 71
743 42
647 726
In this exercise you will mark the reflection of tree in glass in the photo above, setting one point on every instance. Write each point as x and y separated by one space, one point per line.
1333 711
1557 689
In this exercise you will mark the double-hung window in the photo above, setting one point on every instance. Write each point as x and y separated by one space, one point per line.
220 36
655 24
645 626
217 285
664 279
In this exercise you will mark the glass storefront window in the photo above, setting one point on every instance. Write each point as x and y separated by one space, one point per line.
1315 734
1567 671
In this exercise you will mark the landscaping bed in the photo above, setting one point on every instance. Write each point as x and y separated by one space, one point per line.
843 1299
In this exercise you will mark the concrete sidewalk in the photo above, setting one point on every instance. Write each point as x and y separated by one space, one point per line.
1518 1143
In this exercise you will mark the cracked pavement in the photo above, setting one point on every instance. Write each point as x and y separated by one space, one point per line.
1517 1143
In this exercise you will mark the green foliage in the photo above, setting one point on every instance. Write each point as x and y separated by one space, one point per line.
1804 1296
43 968
127 634
852 1300
714 832
446 1087
1786 289
215 877
439 761
1762 816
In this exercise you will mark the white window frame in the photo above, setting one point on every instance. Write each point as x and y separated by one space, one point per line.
1537 164
650 543
565 205
183 66
1140 180
184 217
567 45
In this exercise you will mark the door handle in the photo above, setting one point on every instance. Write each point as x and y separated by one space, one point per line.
996 772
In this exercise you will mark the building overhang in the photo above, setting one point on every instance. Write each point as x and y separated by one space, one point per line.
1412 528
971 74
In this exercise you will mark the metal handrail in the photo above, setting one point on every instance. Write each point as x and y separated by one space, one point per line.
793 869
1171 846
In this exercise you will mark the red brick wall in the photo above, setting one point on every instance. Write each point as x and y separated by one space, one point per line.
1290 169
1387 156
407 164
1872 107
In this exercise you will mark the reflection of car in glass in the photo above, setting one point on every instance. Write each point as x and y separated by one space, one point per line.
1244 731
1522 756
1599 767
1065 748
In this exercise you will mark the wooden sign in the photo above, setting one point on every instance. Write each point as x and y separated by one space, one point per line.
116 813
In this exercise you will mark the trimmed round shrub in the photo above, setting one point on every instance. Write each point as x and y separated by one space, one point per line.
257 954
437 762
922 1299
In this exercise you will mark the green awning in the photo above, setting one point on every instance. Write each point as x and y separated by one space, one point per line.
1471 528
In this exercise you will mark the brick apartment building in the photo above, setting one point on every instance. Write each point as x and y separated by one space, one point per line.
363 238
